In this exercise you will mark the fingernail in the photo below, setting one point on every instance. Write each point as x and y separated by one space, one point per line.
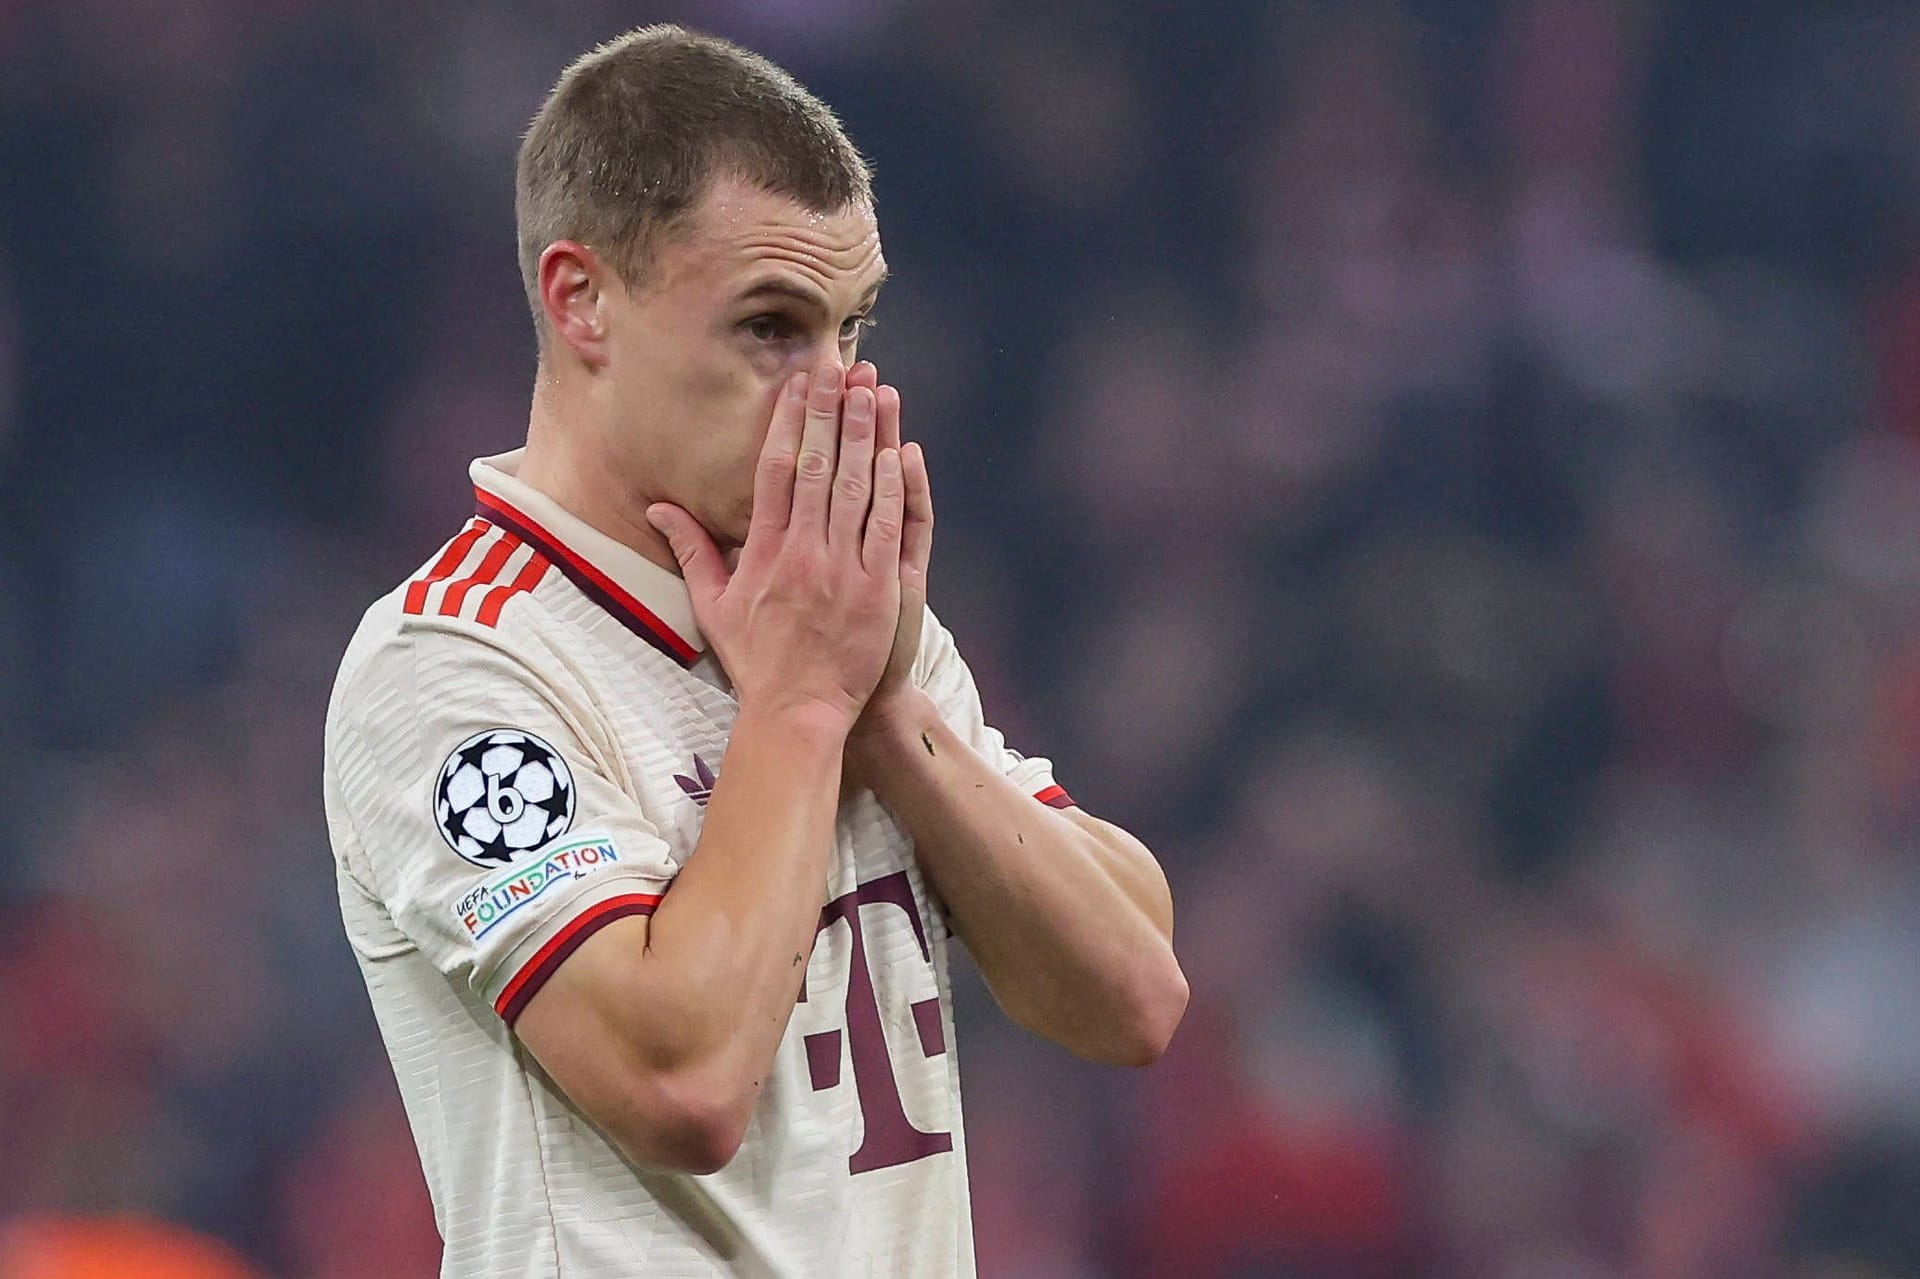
654 517
860 402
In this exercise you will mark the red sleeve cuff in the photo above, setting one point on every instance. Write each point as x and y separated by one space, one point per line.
1055 796
547 960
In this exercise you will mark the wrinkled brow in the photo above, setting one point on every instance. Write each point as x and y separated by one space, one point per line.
781 287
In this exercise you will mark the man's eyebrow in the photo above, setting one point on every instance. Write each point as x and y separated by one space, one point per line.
778 287
781 289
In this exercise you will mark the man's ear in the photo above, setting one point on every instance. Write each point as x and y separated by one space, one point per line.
574 284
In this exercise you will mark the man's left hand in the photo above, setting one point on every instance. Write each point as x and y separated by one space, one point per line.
916 548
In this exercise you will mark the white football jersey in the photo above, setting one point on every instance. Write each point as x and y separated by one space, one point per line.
520 747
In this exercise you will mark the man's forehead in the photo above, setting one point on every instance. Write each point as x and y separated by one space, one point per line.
743 230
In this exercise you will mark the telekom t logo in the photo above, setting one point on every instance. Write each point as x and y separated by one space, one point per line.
890 1138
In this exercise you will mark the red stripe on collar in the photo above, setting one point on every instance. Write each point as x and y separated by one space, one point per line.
596 585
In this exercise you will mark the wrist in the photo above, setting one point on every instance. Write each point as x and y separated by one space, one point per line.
811 723
891 719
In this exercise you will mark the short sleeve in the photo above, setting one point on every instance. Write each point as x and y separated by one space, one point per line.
479 791
944 677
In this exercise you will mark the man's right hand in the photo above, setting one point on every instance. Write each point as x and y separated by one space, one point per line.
806 618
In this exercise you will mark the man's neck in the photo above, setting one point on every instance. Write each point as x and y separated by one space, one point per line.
563 462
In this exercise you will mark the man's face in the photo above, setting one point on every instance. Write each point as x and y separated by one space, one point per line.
758 288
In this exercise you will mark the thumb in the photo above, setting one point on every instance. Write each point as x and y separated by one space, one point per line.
698 557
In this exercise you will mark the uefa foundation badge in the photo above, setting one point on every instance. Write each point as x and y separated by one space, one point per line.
502 793
494 901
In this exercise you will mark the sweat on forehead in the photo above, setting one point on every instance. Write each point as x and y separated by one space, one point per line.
739 228
733 206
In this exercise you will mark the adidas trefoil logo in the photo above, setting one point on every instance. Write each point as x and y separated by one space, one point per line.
700 786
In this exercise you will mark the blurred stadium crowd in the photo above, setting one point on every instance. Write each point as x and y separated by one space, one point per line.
1446 473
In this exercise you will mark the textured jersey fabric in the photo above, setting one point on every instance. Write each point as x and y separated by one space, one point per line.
519 749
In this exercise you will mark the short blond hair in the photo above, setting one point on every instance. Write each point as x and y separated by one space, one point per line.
635 131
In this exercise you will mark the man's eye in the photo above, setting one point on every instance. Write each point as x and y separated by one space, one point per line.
855 326
766 328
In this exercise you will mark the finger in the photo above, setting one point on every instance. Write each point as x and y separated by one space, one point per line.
916 537
699 559
889 436
853 491
881 550
864 373
773 477
819 446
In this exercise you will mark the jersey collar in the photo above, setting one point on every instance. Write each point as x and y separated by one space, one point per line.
648 600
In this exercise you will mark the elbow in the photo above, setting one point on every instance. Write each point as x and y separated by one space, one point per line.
1159 1002
703 1143
1125 1017
1142 1020
689 1126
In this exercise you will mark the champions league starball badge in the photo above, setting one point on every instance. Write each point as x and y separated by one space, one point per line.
502 793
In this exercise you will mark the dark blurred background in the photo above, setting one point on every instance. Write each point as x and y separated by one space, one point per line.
1446 473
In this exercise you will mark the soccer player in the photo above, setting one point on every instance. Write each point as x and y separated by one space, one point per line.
658 795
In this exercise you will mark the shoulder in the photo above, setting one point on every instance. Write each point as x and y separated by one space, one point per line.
416 695
421 650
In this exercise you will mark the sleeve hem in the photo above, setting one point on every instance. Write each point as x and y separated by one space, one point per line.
1054 796
546 961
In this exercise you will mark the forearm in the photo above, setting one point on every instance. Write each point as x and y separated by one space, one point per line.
727 948
1072 930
